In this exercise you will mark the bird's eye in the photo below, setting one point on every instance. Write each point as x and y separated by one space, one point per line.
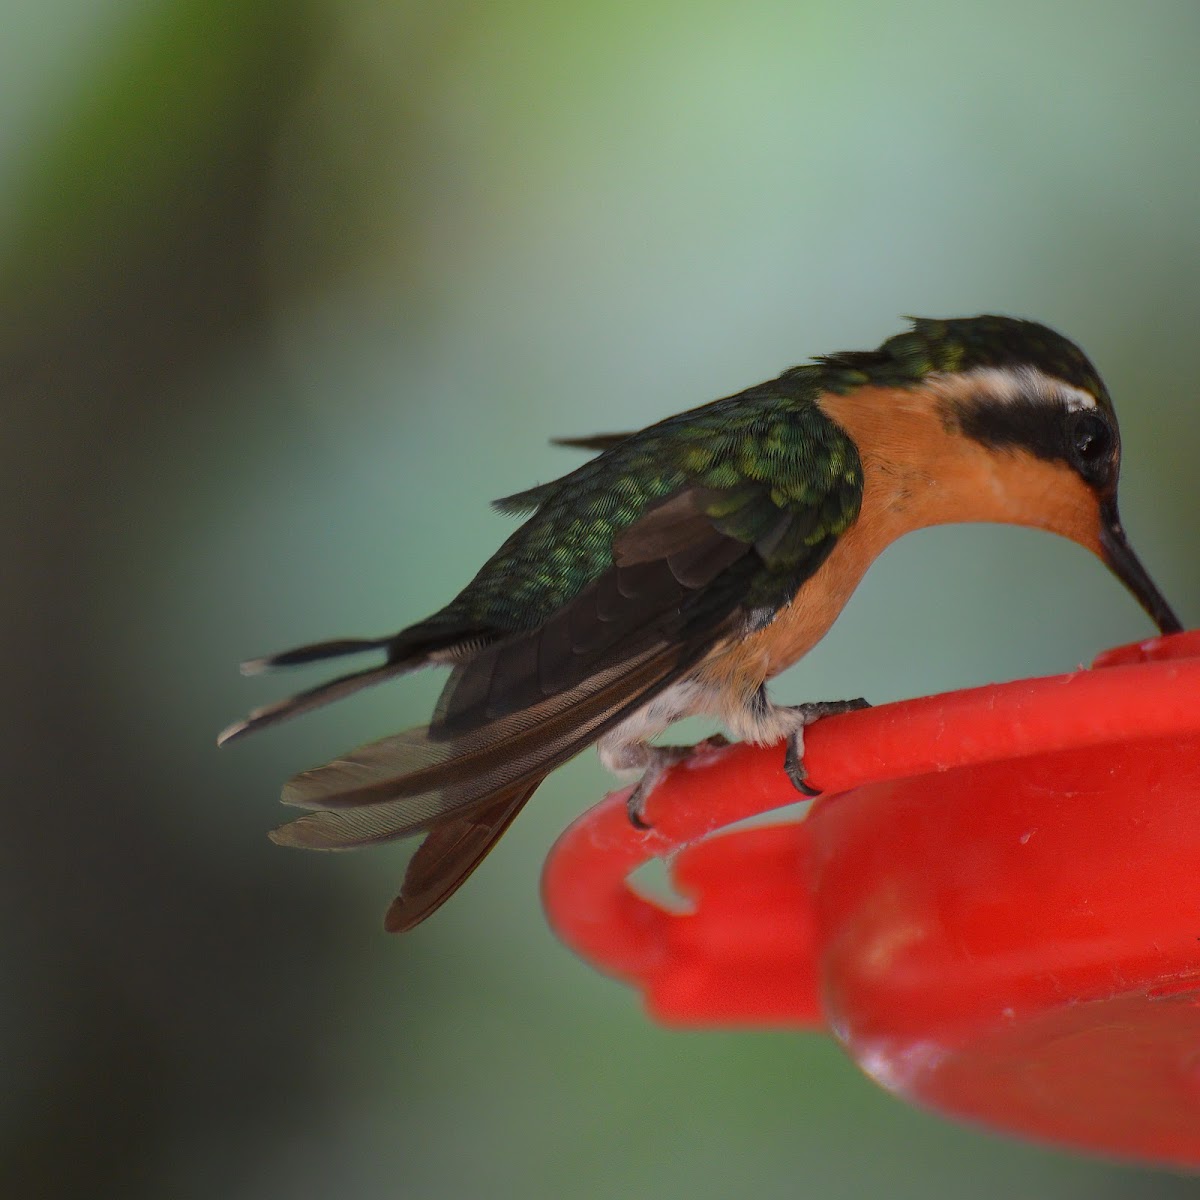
1091 440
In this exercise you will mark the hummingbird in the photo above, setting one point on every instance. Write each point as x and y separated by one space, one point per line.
683 566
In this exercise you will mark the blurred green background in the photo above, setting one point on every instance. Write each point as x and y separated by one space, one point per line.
289 292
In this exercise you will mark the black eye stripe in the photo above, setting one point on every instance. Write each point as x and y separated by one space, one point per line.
1016 424
1084 439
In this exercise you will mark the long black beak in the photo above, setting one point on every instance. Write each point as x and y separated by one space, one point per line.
1119 555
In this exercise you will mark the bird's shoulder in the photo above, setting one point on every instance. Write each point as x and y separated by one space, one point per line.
745 459
775 433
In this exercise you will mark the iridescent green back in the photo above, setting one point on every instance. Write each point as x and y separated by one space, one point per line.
754 456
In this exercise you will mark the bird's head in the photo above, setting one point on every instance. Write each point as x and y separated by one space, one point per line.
1022 430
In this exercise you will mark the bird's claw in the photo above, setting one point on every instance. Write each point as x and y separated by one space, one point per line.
662 759
635 803
793 762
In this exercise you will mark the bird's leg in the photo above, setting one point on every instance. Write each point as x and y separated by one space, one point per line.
773 721
653 762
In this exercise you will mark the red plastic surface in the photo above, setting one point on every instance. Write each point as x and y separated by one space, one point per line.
995 906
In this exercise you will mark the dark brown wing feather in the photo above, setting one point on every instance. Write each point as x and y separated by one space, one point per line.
409 782
676 579
678 524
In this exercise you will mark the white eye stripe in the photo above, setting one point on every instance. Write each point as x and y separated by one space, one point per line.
1007 385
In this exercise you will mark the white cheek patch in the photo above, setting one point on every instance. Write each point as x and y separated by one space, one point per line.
1008 385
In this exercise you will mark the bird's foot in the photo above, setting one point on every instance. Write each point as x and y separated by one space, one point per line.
804 715
658 760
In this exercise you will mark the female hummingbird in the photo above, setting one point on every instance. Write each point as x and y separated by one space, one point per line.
686 564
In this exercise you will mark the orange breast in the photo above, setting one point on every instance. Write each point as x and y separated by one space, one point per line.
917 472
738 669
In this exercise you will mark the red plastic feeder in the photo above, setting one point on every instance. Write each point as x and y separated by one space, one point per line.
994 907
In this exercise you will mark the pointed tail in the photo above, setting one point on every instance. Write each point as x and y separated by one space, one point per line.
407 651
448 855
463 791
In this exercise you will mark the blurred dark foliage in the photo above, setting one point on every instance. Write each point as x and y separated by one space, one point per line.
129 955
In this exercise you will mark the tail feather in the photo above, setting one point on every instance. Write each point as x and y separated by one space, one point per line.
414 648
406 784
461 780
464 792
408 781
449 854
315 652
450 851
302 702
